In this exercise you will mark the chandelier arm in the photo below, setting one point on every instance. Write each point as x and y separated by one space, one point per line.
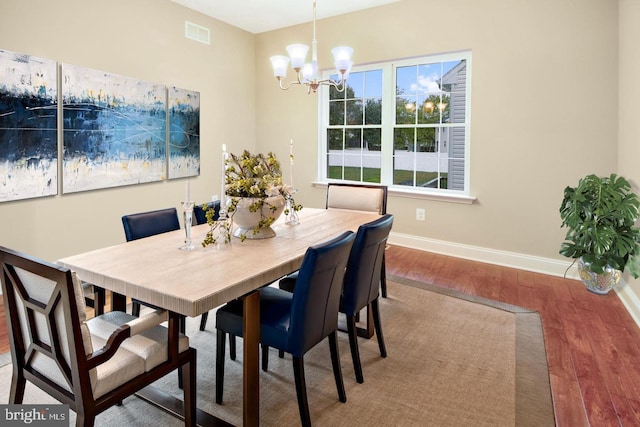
291 83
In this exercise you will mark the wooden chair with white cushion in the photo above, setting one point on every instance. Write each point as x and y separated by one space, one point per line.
88 365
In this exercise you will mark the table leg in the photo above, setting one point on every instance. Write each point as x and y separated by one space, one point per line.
118 302
251 379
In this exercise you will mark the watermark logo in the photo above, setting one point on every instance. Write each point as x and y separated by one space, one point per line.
34 415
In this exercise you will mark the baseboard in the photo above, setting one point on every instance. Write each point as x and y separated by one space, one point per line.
630 300
513 260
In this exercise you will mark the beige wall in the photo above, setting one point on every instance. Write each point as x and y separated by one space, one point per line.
543 107
142 39
629 107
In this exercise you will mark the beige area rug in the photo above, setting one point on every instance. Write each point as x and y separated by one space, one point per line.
452 361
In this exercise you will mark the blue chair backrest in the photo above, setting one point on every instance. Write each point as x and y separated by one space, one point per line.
200 215
316 299
362 279
145 224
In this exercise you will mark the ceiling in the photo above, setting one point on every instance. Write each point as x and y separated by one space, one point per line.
257 16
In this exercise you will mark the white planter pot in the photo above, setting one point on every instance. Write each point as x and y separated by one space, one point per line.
246 222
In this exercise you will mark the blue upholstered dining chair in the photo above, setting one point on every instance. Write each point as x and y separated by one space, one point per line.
199 214
360 197
296 322
361 283
146 224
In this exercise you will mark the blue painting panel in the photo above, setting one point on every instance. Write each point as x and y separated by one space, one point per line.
28 127
114 130
184 133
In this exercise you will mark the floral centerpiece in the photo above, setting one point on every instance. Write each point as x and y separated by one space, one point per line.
253 185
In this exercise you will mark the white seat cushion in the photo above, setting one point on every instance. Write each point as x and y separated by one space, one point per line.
122 367
150 345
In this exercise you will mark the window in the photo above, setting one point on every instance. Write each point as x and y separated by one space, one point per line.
404 124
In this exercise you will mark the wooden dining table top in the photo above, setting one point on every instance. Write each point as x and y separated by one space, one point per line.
154 269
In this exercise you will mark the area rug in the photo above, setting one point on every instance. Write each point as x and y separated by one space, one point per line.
453 360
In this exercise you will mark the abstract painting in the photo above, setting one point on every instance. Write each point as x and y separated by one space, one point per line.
28 127
114 130
184 133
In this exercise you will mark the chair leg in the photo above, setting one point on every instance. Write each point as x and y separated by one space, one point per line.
353 343
301 391
375 307
203 320
265 357
220 344
189 374
383 278
18 383
337 370
232 347
85 420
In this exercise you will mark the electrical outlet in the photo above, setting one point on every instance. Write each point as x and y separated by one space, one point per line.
419 214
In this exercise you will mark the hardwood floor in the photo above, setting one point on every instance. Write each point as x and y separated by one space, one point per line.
592 343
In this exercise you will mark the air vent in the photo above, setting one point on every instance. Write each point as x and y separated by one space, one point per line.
196 32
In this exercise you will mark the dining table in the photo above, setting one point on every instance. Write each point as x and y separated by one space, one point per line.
156 271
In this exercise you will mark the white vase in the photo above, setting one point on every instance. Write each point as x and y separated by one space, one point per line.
598 283
246 222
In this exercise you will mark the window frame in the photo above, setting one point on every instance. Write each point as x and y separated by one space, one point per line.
388 124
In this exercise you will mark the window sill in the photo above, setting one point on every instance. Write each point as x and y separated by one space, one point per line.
413 194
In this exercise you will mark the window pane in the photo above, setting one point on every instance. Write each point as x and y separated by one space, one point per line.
406 80
426 140
355 114
373 111
371 168
429 79
355 85
372 139
456 112
336 113
334 172
353 139
335 139
428 111
403 162
406 110
373 84
403 139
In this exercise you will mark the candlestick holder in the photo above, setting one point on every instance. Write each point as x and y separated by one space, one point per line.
291 216
188 217
219 234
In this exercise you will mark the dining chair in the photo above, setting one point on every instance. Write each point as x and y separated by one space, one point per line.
360 197
89 365
296 322
146 224
200 215
361 284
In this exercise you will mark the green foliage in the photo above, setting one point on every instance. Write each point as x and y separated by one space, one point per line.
600 214
255 176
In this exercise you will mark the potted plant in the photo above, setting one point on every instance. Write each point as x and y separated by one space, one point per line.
256 194
600 214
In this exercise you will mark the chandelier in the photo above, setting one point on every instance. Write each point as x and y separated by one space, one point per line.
307 73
